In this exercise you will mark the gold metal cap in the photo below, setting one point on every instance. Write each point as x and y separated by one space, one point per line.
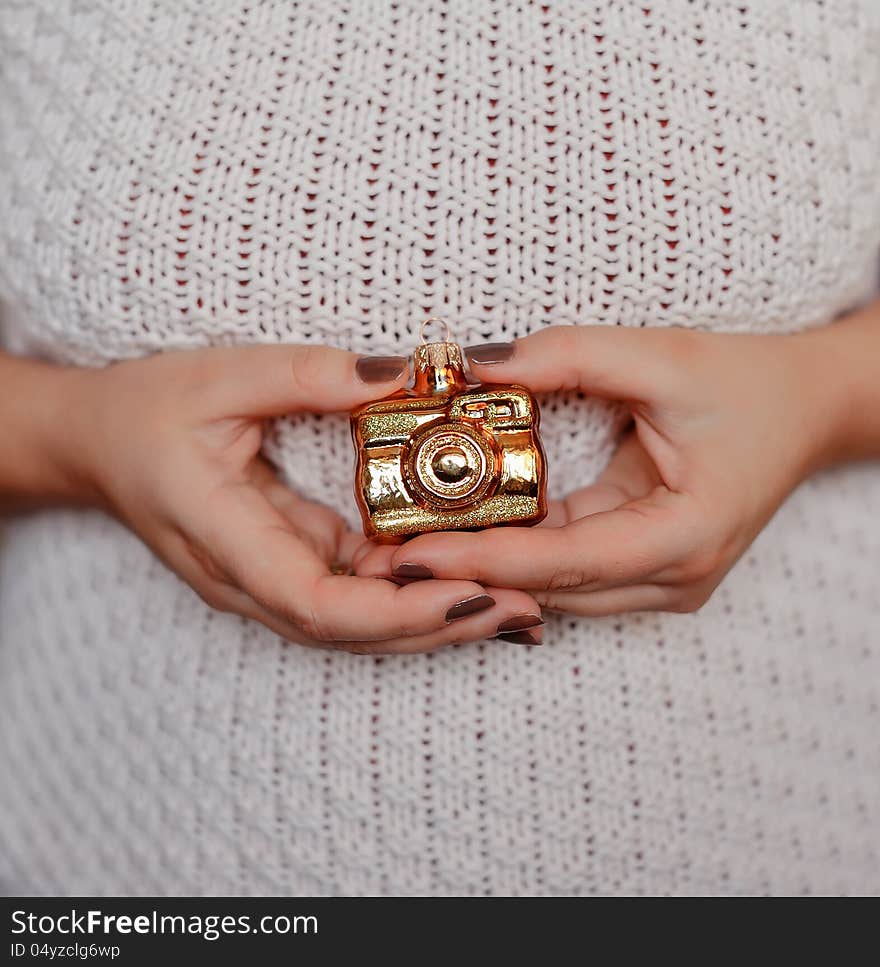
438 366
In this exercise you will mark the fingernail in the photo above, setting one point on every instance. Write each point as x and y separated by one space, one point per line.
381 369
519 622
417 571
489 352
519 638
479 602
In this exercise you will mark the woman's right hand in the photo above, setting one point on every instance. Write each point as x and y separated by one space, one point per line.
170 444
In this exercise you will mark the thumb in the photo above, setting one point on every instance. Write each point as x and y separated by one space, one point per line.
265 381
614 362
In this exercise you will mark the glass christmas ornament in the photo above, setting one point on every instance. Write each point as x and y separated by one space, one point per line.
446 455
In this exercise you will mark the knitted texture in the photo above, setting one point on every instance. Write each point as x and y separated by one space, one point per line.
176 175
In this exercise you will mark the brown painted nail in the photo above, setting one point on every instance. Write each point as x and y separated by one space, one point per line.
479 602
519 622
416 571
491 352
519 638
381 369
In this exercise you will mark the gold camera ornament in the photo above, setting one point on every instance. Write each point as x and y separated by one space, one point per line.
446 455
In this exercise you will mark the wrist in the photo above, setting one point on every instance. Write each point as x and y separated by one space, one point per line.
816 400
48 437
838 373
74 432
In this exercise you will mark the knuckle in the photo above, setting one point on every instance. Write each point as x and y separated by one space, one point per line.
569 346
312 625
215 599
215 572
407 629
701 564
462 637
301 618
689 602
678 350
571 338
205 366
301 609
549 601
564 577
307 364
685 345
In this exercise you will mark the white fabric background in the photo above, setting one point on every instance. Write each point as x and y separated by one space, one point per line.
183 174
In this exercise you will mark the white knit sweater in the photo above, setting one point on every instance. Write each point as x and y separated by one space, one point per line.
179 174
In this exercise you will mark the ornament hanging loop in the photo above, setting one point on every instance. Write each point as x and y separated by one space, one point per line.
435 321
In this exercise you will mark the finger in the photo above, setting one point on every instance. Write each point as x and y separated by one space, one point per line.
370 609
618 547
557 514
365 549
630 474
351 545
266 381
597 604
513 609
614 362
322 527
625 477
377 561
256 549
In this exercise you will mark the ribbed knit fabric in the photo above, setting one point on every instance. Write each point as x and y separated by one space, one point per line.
183 174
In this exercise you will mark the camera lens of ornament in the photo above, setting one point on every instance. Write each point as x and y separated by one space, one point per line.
450 464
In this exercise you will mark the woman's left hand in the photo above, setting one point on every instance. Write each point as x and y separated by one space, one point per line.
724 427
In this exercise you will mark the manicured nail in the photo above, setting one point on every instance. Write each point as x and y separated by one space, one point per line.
519 638
490 352
479 602
381 369
416 571
519 622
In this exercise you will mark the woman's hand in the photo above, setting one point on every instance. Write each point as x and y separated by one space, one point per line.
724 427
170 445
